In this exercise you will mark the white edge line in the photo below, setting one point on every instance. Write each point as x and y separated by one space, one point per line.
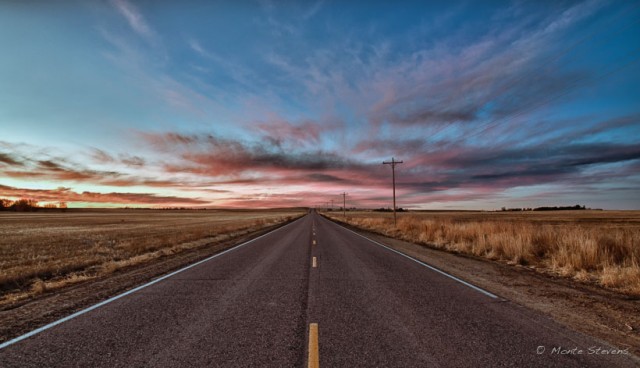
428 266
104 302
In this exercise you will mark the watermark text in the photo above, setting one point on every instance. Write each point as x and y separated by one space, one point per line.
592 350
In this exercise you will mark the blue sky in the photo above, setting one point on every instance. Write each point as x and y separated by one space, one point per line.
259 103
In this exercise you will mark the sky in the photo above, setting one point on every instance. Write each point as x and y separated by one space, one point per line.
489 104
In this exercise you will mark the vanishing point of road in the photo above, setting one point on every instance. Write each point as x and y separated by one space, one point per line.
308 294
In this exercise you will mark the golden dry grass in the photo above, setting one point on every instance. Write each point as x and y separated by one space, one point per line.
598 246
45 251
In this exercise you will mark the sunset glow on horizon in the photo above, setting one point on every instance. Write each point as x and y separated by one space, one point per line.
283 104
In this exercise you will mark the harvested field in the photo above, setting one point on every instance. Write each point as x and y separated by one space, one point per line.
601 247
45 251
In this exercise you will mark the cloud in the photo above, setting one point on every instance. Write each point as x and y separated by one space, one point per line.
444 166
133 17
475 85
8 159
41 166
429 167
467 78
103 157
390 146
133 161
67 195
326 181
609 126
207 154
195 46
274 200
147 65
58 170
313 10
322 115
169 140
280 132
560 158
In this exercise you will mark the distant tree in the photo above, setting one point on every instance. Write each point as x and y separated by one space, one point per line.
382 209
50 206
24 204
62 206
561 208
33 204
4 204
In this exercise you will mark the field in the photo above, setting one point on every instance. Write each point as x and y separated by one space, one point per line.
602 247
46 251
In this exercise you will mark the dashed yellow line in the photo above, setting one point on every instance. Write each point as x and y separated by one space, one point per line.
314 354
314 262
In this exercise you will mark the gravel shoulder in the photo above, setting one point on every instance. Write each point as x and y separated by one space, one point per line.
608 316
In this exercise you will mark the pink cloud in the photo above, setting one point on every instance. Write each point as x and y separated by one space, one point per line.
67 195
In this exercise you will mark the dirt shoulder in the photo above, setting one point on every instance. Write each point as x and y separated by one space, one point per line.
19 318
603 314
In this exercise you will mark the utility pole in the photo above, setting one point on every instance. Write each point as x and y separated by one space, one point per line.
344 205
393 164
332 205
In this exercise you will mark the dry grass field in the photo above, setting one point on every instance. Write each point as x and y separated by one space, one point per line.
596 246
45 251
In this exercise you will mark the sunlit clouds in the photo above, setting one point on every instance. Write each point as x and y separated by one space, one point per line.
289 104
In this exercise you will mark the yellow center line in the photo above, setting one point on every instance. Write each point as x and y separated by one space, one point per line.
314 355
314 262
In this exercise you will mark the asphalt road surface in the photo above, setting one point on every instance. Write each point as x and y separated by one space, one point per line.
309 294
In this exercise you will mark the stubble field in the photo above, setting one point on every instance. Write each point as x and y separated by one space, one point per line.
601 247
46 251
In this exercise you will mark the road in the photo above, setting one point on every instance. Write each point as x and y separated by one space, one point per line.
311 293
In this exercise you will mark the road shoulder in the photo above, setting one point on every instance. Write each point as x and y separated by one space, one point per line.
605 315
24 317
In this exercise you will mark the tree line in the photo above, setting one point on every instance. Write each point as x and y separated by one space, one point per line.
29 205
554 208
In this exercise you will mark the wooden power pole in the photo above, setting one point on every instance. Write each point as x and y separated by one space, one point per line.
344 205
393 164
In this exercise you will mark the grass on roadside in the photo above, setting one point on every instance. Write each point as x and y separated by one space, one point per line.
43 252
571 244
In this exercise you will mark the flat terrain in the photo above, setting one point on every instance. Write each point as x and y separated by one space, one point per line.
45 251
597 247
254 305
